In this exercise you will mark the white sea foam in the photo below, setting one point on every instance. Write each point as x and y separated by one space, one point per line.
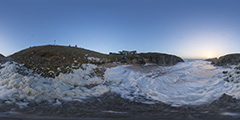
116 112
230 114
93 59
68 87
189 83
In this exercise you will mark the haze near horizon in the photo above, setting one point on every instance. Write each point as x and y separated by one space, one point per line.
186 28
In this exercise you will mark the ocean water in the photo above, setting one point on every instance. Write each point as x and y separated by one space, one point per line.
194 82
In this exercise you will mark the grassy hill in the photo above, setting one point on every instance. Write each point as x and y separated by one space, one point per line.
43 59
51 60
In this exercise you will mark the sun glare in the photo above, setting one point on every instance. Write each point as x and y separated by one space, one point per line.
209 56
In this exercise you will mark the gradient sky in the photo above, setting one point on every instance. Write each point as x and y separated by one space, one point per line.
187 28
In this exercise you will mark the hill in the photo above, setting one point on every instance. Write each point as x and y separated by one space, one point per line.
51 60
59 59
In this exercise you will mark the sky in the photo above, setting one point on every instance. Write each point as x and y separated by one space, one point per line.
186 28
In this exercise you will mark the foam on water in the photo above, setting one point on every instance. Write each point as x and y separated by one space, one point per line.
189 83
67 87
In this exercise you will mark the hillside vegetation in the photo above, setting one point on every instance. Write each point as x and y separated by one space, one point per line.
51 60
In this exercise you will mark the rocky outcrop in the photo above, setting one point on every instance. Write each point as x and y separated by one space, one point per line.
230 59
153 58
1 56
160 59
213 60
4 59
233 75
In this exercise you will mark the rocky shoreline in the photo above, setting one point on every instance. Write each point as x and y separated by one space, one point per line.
111 105
226 60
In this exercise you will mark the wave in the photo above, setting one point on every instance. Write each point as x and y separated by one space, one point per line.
189 83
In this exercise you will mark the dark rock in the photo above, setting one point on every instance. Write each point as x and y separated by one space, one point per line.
42 59
4 59
1 55
160 58
226 79
225 72
213 60
153 58
230 59
225 100
237 68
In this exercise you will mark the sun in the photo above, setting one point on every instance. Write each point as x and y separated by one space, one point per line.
209 56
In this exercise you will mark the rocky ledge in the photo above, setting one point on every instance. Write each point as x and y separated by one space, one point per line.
160 59
226 60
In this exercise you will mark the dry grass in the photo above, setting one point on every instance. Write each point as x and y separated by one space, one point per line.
59 59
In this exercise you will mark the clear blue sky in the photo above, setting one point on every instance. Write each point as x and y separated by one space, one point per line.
187 28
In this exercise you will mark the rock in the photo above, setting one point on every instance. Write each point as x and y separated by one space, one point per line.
213 60
160 58
4 59
150 58
135 60
237 68
225 72
226 79
1 56
225 100
230 59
